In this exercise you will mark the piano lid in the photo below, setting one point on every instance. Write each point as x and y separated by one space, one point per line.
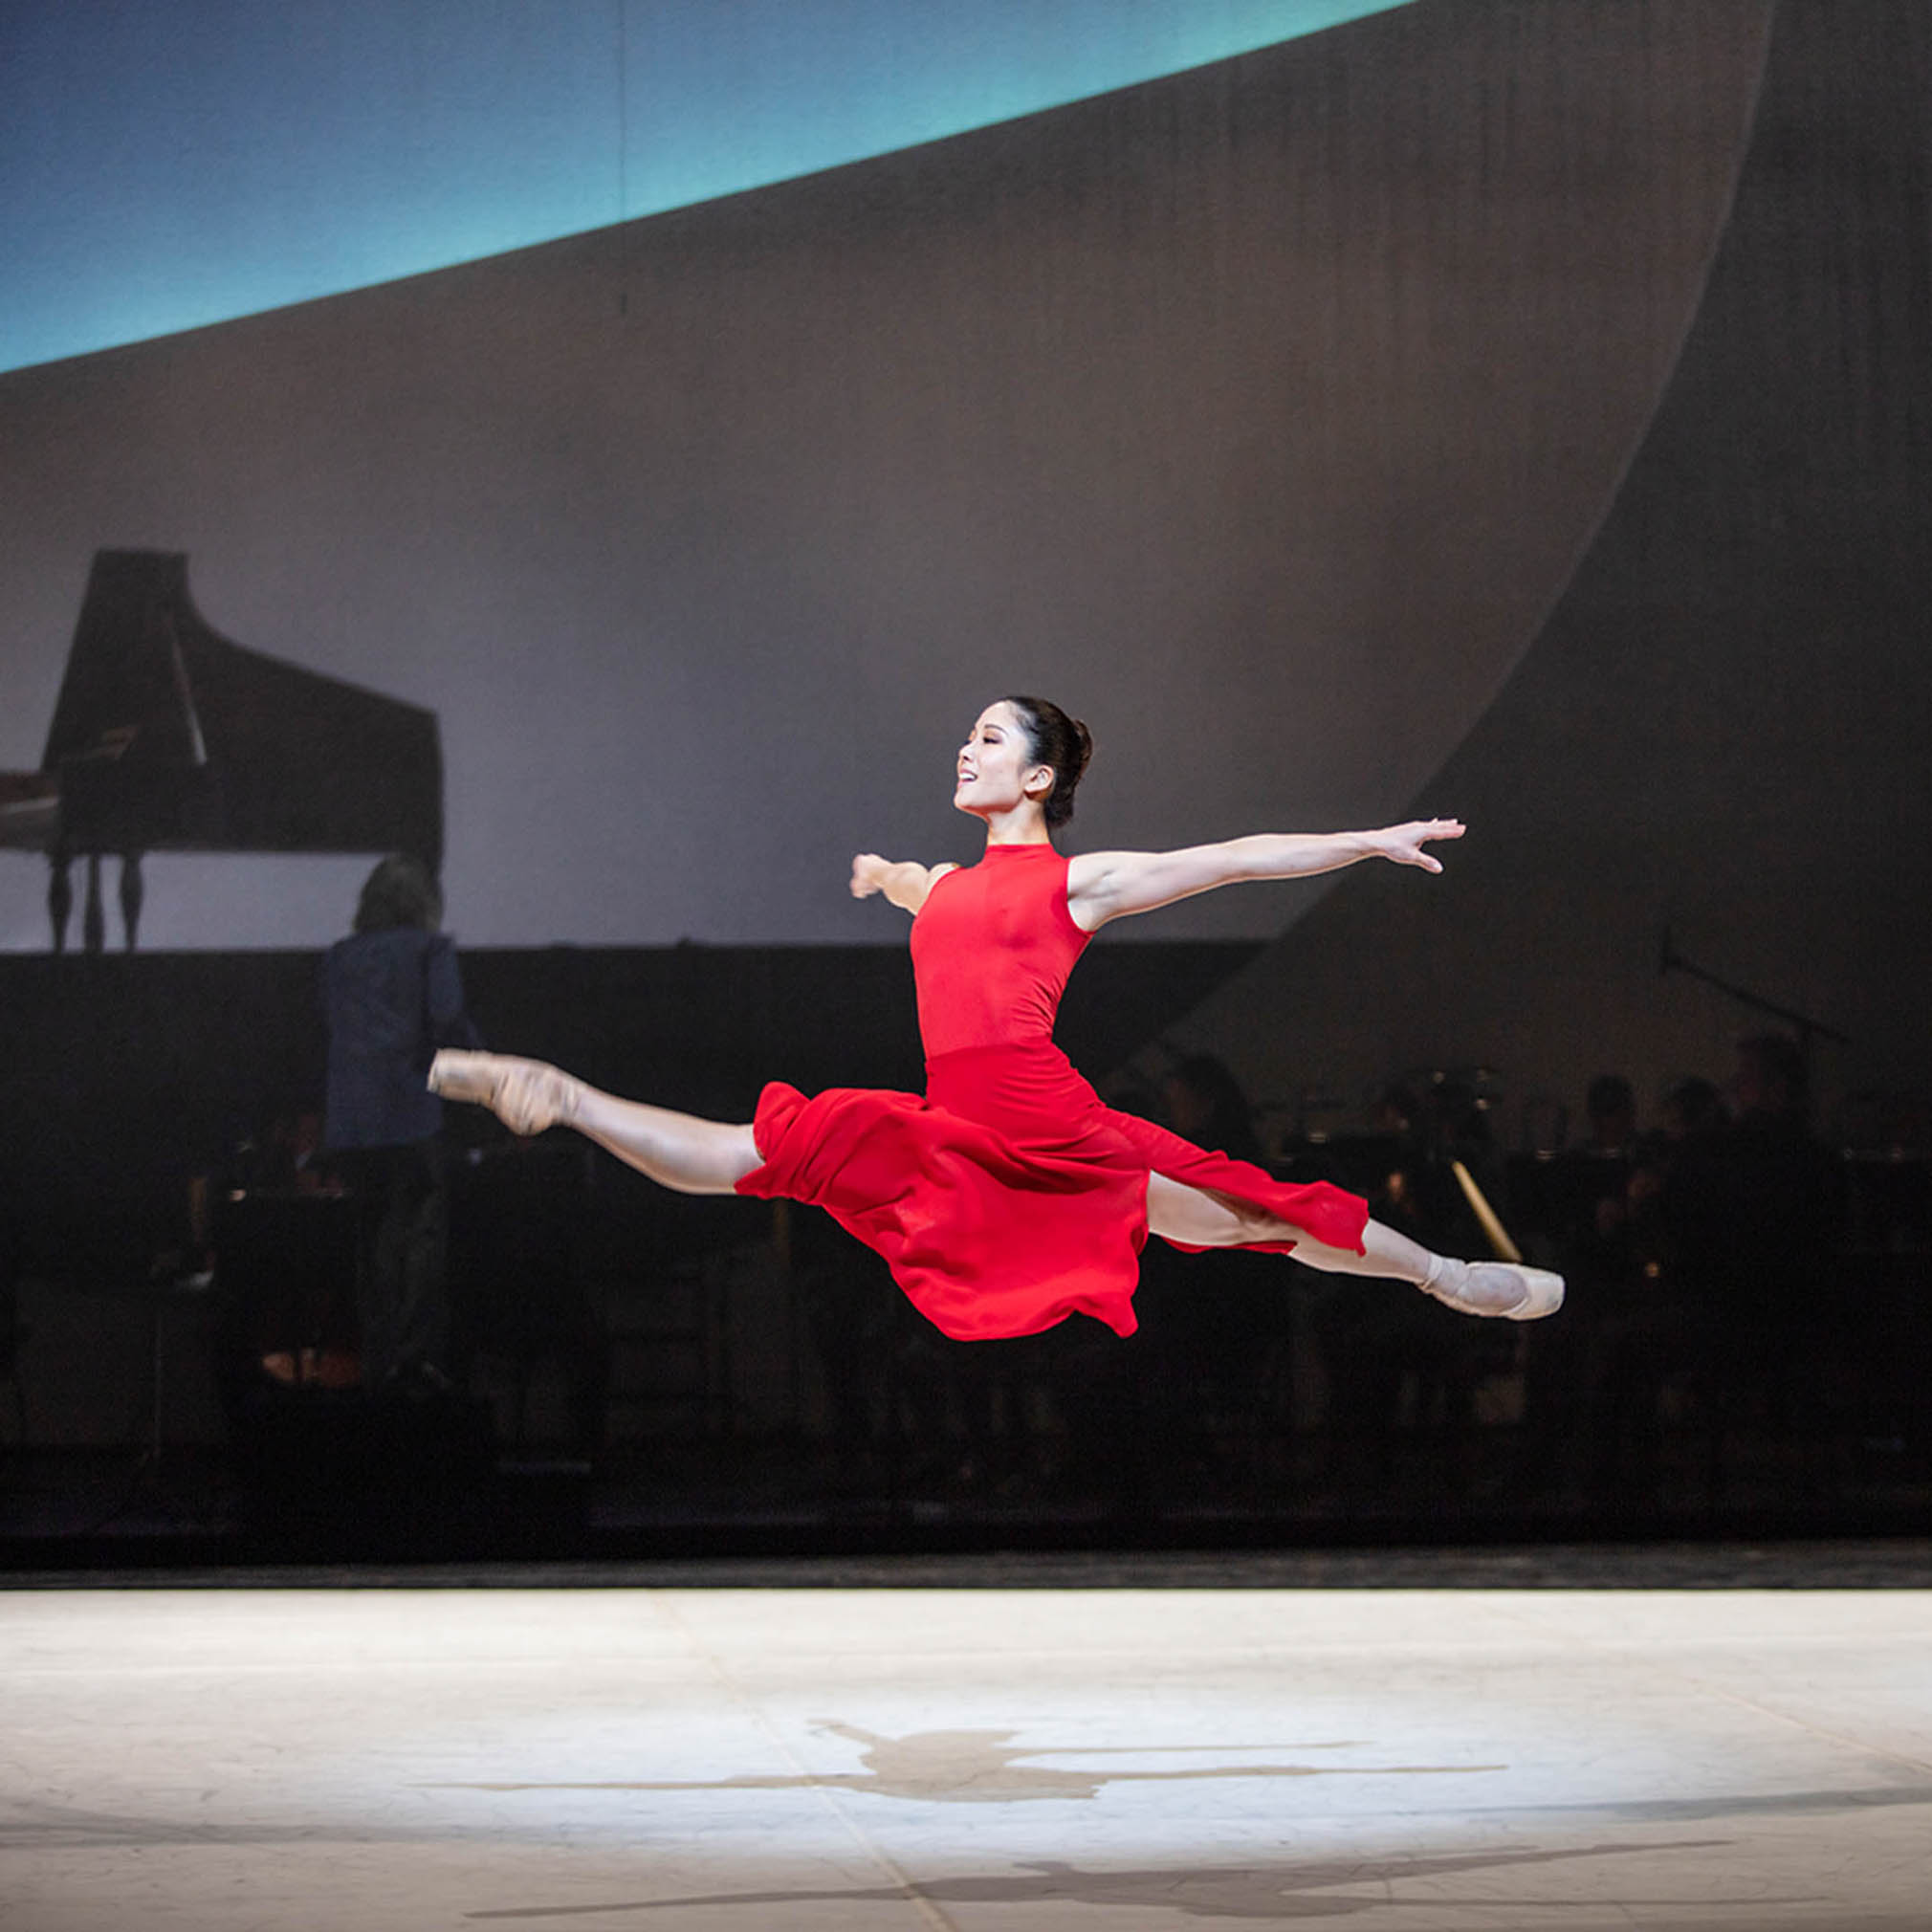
168 737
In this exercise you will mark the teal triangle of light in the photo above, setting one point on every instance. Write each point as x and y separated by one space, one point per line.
166 167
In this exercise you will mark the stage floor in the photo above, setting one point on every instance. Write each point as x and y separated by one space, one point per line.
1118 1759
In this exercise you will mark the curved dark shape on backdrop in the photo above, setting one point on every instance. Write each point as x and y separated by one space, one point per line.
1722 729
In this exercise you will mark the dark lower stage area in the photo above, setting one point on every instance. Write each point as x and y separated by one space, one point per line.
631 1375
1325 1417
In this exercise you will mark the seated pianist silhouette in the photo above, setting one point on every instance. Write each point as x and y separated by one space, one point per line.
166 737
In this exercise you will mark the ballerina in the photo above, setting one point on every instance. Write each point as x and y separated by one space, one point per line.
1008 1197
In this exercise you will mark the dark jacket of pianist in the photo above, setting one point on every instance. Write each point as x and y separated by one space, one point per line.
392 994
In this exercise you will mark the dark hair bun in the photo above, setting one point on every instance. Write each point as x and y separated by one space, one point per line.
1058 741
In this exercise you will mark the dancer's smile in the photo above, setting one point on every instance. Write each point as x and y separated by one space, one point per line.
996 764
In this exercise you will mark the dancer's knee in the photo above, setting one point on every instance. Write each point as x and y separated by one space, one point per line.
1203 1218
1318 1255
696 1156
733 1153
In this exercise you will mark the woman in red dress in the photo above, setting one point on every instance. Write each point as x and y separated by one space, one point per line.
1008 1197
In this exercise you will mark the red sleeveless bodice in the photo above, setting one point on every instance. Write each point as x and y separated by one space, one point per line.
992 948
1008 1197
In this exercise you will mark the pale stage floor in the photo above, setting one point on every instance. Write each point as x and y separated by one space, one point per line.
1117 1759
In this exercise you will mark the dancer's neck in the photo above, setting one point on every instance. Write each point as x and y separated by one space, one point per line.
1024 825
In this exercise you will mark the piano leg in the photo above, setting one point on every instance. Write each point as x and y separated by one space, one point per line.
93 921
59 899
132 893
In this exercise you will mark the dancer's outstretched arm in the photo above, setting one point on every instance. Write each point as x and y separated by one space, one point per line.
905 882
1104 885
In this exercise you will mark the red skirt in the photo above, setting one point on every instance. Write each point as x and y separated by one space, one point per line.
1009 1197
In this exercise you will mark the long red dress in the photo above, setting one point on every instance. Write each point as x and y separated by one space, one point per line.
1008 1197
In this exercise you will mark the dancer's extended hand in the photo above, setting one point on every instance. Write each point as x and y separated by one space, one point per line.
1403 844
905 882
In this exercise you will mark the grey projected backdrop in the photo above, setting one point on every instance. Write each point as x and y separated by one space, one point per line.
1261 414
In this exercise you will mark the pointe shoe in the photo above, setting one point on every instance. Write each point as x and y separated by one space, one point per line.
1507 1289
527 1095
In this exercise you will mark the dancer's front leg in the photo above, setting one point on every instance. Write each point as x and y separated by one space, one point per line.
676 1150
1505 1288
1206 1220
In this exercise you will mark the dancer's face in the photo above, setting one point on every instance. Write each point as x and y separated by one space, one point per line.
996 769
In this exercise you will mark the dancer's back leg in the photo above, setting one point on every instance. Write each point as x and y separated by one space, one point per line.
676 1150
1205 1219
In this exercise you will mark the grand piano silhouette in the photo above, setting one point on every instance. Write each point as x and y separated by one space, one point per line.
166 737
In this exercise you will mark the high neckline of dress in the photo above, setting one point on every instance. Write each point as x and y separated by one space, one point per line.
1021 845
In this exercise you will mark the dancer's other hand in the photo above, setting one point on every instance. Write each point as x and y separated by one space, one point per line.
1403 844
905 881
